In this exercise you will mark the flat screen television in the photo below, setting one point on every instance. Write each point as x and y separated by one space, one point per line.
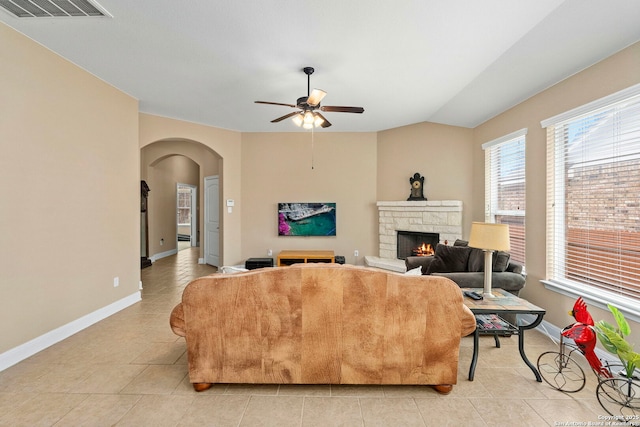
306 219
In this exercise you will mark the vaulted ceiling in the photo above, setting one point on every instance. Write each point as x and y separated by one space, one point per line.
457 62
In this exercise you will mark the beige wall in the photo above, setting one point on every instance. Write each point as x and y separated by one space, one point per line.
277 167
163 178
611 75
442 154
188 139
70 191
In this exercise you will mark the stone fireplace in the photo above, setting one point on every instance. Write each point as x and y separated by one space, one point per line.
443 217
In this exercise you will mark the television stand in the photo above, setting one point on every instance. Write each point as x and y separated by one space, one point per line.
293 257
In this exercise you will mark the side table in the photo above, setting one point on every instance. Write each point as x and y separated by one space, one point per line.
489 322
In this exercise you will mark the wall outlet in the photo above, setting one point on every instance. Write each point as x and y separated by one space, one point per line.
269 252
356 253
161 242
116 282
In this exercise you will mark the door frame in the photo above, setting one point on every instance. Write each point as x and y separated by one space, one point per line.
193 232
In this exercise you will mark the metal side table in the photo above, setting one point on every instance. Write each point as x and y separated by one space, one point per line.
488 312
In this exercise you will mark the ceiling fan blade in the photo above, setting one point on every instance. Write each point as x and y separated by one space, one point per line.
336 109
315 97
286 116
275 103
326 123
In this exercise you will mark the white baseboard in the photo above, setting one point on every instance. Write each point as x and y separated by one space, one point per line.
201 261
161 255
28 349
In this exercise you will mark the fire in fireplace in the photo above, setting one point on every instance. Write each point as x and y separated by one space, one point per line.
423 250
416 243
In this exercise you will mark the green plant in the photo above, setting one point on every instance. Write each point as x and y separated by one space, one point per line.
612 339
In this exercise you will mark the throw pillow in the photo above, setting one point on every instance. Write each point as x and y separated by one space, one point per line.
414 272
501 261
476 260
476 256
449 259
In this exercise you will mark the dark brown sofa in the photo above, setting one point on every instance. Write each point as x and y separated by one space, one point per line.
465 266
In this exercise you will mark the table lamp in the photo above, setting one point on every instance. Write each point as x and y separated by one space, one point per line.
489 237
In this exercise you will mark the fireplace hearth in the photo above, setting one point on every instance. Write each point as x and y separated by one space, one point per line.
412 243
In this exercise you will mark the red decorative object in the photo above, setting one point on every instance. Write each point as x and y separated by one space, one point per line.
584 335
580 312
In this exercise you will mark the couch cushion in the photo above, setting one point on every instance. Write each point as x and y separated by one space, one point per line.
476 258
448 259
511 282
501 261
514 267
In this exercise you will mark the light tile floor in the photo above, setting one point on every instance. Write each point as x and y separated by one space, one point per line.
130 369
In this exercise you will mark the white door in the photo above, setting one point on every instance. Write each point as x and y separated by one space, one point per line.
212 220
194 216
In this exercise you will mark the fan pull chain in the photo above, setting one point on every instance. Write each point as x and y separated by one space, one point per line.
312 147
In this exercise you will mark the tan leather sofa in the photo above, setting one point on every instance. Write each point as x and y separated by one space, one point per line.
322 324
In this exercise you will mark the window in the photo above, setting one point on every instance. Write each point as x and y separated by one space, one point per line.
505 187
593 192
184 205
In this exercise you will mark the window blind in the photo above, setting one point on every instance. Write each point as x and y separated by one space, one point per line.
593 196
505 187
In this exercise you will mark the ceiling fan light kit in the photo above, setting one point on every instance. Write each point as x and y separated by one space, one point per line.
308 117
298 119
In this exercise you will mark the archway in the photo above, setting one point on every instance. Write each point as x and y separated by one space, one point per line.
164 164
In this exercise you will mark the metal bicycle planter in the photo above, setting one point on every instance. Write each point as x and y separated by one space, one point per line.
618 395
559 370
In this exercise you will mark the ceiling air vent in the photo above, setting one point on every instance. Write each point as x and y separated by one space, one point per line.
53 8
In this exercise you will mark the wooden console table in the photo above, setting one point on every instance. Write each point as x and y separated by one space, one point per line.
292 257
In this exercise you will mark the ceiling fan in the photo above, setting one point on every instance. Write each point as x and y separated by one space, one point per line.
308 117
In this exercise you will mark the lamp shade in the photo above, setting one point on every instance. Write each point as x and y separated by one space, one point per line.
489 236
308 117
298 119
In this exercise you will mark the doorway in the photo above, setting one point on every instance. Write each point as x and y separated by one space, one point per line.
165 163
186 214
